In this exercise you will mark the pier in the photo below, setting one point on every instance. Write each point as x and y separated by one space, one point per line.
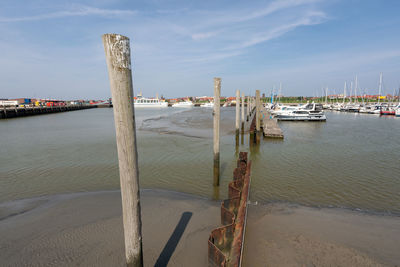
7 112
270 126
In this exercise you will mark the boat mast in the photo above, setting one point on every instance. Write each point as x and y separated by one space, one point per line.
355 91
280 91
326 95
272 96
380 87
351 91
344 92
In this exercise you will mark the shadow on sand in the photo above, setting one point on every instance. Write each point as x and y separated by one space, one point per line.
173 241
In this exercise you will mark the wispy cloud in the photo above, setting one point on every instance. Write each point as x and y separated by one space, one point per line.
311 18
256 13
75 12
203 35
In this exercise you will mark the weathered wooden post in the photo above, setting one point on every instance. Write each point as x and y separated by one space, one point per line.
237 124
248 108
118 59
242 112
258 113
217 107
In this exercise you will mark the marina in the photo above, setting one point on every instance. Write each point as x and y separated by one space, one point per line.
85 161
216 133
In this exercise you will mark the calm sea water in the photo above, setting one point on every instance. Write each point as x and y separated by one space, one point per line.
351 161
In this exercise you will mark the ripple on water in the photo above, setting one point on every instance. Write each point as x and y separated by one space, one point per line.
349 161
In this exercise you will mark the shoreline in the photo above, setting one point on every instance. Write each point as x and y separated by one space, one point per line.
85 228
61 196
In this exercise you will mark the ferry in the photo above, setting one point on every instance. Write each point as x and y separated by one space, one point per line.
142 102
311 112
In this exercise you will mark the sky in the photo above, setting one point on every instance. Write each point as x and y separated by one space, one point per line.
53 49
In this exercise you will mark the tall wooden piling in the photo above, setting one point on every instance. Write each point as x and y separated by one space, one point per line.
237 118
237 112
248 108
118 59
258 115
217 107
242 112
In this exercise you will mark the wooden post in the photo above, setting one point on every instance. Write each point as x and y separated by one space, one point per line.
258 110
248 108
237 124
258 113
217 107
242 112
118 59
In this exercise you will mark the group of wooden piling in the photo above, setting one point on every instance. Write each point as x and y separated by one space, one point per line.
225 244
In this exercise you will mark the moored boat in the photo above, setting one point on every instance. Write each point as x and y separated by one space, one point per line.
207 105
388 112
142 102
311 112
183 104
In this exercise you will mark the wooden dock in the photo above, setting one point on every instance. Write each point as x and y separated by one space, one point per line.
270 126
8 112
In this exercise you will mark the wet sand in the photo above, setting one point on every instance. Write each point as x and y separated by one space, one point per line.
85 229
290 235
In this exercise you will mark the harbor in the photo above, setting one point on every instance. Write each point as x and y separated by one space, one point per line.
200 133
346 186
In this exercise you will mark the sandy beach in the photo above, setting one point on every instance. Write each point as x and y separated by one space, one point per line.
291 235
85 229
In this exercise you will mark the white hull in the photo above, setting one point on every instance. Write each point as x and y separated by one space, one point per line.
301 118
207 105
161 105
186 104
142 102
309 112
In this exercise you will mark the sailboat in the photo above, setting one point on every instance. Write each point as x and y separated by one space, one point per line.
354 107
326 105
377 108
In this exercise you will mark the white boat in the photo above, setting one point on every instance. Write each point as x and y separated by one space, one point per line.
311 112
142 102
365 109
281 109
184 104
207 105
375 109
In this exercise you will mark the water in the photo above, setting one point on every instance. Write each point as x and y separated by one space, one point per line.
350 161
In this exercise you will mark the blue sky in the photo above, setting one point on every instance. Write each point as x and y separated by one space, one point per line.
54 48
